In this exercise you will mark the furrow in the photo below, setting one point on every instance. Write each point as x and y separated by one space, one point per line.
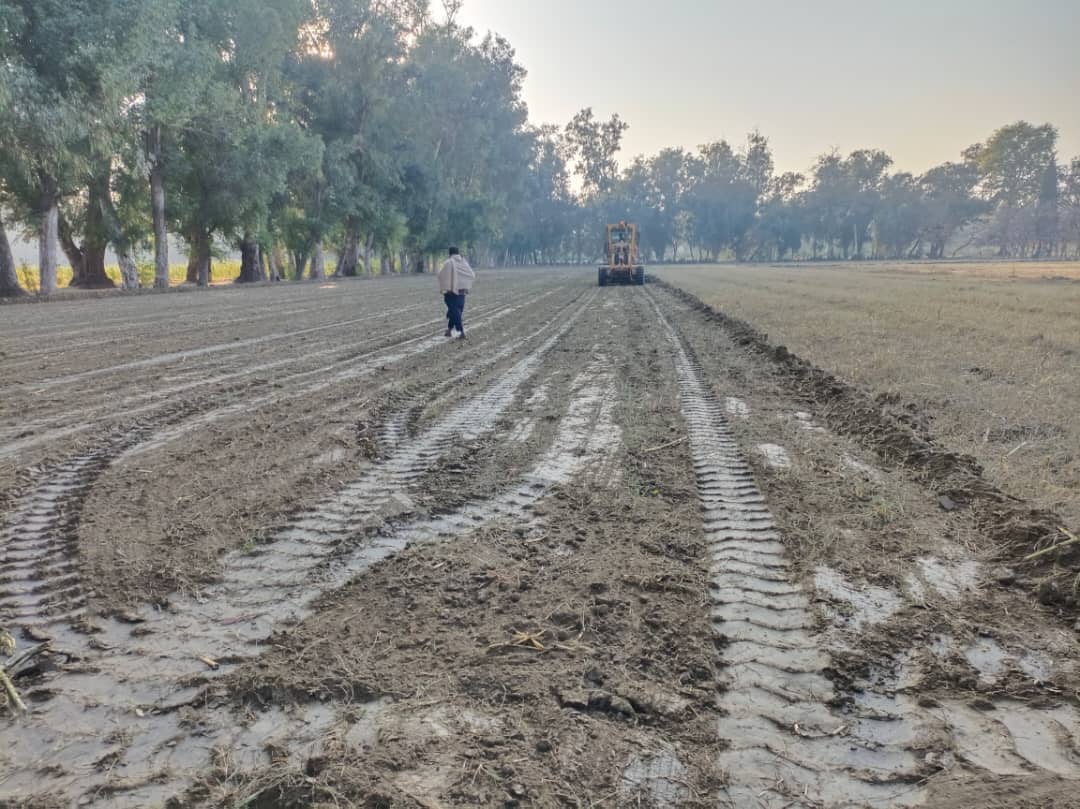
341 367
354 368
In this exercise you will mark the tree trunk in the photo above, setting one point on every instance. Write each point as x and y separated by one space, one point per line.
192 276
94 245
299 262
93 251
75 256
9 277
94 267
350 254
250 266
369 246
386 263
129 271
202 258
160 231
277 263
47 238
264 265
318 262
157 207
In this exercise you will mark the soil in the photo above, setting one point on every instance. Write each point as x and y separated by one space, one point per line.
293 548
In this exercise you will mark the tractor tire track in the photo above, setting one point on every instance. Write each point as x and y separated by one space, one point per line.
39 567
788 746
162 758
279 583
30 356
193 353
257 583
39 571
785 746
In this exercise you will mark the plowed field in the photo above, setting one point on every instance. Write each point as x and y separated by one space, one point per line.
291 547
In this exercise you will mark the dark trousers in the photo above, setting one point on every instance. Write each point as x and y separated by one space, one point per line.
455 308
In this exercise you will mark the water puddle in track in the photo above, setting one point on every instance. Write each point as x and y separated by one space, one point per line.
865 604
656 776
737 408
806 422
865 470
526 424
950 580
775 456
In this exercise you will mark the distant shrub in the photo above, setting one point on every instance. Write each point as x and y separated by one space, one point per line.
28 277
222 271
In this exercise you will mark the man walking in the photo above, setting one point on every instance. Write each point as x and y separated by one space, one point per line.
455 280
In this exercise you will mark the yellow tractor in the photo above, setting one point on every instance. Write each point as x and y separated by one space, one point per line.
623 265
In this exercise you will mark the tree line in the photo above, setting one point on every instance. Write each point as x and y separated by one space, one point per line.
1008 196
296 131
285 130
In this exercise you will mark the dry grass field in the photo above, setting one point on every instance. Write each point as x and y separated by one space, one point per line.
988 353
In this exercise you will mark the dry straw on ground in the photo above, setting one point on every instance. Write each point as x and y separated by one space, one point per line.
988 354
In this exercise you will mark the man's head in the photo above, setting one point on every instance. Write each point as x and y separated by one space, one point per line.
454 251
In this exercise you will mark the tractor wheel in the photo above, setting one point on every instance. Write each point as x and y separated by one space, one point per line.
639 276
602 277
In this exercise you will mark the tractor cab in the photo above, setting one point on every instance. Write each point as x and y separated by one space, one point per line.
621 249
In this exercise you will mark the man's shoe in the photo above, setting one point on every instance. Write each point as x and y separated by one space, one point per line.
449 333
463 337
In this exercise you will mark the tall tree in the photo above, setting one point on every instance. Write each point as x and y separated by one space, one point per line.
465 152
240 149
721 201
344 80
1014 161
45 89
594 144
951 203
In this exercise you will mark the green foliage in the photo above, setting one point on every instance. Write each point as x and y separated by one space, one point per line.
594 145
1014 162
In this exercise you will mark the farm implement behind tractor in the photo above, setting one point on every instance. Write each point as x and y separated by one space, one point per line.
623 265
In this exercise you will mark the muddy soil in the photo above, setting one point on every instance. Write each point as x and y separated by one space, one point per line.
295 549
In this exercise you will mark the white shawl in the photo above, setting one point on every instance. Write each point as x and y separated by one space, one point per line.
456 275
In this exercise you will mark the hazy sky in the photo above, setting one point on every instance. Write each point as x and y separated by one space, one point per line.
921 79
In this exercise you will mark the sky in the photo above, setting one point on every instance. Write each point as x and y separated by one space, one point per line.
921 79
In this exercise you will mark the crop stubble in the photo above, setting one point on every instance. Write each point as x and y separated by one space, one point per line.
987 356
